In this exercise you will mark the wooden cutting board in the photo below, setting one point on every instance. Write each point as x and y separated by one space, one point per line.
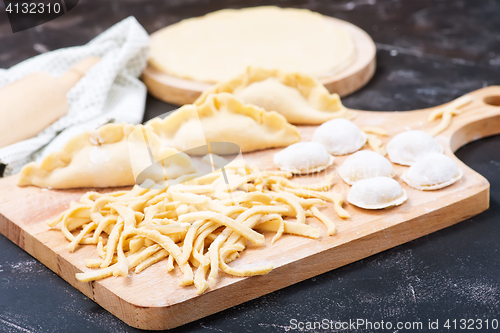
154 300
178 91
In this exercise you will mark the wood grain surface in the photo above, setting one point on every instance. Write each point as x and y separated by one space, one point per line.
153 298
175 90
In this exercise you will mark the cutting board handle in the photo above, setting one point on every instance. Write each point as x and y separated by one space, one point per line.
480 118
71 77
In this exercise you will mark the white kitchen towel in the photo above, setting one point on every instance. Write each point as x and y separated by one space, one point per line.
109 92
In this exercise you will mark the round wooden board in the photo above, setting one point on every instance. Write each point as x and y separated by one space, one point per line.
175 90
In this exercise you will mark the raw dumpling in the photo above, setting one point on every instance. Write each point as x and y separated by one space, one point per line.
431 172
407 147
340 136
223 118
304 158
110 156
300 98
365 164
376 193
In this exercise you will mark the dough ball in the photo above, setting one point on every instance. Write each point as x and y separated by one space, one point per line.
303 158
365 164
340 136
407 147
432 172
376 193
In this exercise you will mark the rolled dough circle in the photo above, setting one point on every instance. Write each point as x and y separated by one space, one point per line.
220 45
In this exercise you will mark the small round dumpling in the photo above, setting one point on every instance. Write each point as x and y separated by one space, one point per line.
376 193
407 147
365 164
303 158
340 136
431 172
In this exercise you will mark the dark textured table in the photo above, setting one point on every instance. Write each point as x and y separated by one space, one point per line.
428 53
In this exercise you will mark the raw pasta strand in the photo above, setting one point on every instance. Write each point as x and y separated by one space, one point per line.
330 226
201 225
112 243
